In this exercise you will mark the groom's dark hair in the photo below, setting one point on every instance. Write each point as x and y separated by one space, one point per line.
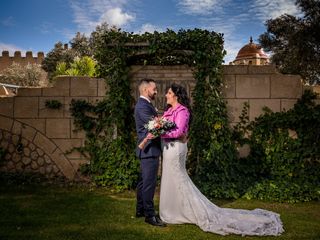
146 80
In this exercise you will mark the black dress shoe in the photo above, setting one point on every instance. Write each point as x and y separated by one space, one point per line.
140 214
155 221
160 221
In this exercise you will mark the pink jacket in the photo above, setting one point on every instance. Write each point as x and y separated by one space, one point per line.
180 115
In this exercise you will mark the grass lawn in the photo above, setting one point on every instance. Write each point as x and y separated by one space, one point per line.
50 212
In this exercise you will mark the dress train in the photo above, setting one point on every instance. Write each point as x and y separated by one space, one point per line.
182 202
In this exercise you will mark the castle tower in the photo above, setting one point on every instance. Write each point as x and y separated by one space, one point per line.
251 54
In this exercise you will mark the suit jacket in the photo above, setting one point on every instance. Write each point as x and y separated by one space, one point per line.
144 111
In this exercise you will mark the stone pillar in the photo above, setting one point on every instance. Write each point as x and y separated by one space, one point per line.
40 57
4 60
29 58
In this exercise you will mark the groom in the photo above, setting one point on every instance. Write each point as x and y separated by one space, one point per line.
149 156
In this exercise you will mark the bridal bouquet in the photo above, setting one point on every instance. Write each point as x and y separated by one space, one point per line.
158 126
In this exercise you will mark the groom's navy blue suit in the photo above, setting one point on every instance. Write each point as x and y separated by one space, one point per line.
149 158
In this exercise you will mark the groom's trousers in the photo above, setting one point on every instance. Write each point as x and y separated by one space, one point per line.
147 185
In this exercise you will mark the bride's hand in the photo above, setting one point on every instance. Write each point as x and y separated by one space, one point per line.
143 143
150 136
183 138
145 140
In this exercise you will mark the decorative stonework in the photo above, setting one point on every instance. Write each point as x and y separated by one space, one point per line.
30 150
24 156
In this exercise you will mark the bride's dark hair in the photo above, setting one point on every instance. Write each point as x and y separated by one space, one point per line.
182 96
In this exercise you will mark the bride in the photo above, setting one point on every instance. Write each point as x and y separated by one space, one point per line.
182 202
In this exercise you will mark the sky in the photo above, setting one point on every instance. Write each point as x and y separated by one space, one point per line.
36 25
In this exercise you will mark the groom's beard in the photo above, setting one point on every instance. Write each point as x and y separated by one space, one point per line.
153 96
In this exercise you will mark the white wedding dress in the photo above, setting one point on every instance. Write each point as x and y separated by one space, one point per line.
182 202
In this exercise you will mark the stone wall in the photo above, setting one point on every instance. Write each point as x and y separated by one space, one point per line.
6 60
258 85
164 76
38 139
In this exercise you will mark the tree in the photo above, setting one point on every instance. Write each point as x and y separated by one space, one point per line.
295 41
80 44
56 55
28 75
97 36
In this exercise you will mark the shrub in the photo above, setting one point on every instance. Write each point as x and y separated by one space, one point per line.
53 104
29 75
84 66
56 55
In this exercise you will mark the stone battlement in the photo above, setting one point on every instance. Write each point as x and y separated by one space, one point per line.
6 60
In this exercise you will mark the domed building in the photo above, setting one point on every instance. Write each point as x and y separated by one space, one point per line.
251 54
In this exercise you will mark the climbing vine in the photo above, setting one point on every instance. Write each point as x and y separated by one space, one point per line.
267 173
110 133
285 153
53 104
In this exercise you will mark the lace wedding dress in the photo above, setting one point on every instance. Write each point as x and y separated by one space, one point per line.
182 202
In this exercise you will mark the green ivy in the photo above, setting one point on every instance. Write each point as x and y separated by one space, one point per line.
280 166
109 125
53 104
285 150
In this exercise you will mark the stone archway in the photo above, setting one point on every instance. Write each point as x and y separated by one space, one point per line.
29 150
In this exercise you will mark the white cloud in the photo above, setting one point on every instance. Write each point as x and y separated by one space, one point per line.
231 44
67 33
115 17
82 17
90 13
232 47
147 27
199 7
10 47
100 6
267 9
241 17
